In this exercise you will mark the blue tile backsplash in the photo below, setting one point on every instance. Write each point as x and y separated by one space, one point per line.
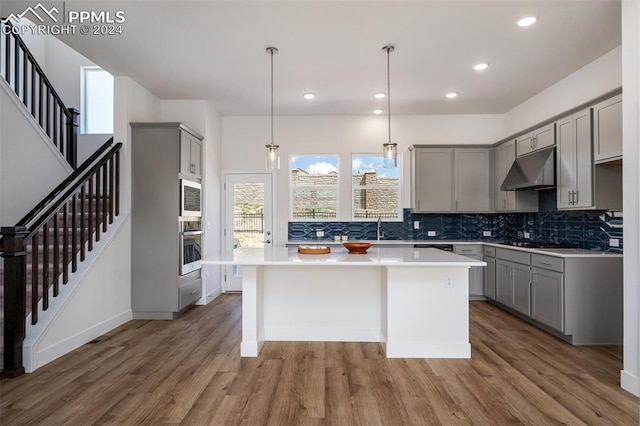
583 229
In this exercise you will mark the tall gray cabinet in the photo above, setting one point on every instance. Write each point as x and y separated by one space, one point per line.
158 291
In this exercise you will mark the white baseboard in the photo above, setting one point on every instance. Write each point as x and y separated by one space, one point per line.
630 383
427 350
322 334
35 357
208 298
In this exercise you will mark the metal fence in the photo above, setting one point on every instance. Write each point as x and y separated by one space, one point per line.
248 222
313 214
366 214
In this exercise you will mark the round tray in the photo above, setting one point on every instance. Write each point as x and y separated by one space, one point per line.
314 249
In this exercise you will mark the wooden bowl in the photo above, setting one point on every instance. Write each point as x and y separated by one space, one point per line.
356 247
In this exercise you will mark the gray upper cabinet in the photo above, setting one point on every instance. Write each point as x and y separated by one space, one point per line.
573 161
607 130
537 139
190 155
433 179
471 183
580 184
510 201
450 180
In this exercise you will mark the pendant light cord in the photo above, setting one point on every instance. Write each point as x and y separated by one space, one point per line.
389 91
271 51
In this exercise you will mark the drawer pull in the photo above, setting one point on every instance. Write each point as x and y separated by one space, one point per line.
545 263
194 291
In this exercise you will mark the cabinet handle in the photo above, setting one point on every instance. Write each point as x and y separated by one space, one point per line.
192 167
194 291
456 204
545 263
575 197
535 141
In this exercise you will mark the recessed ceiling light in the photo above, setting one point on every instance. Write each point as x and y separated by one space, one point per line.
526 21
480 67
380 95
377 111
309 96
451 95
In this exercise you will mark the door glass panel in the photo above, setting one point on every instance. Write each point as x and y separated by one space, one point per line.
248 215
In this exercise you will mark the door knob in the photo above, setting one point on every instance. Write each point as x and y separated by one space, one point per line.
267 241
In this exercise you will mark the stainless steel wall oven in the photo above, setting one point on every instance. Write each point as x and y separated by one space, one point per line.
190 244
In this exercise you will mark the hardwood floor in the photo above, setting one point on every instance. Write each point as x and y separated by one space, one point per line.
189 371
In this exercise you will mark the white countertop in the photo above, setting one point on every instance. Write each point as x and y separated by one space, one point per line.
375 256
558 252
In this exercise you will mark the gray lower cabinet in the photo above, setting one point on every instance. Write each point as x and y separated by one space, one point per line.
576 298
547 297
513 279
490 273
158 291
476 273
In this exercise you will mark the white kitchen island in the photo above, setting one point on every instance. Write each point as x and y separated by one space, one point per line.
413 301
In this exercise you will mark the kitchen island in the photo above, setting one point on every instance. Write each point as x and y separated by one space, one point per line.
413 301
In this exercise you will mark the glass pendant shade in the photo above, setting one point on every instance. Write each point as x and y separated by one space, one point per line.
272 156
390 155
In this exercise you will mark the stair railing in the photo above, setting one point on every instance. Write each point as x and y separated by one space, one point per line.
23 74
56 234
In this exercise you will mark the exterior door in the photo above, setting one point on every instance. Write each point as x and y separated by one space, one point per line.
248 218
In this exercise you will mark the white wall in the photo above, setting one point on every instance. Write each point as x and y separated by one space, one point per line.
61 65
202 118
244 138
24 148
630 375
593 80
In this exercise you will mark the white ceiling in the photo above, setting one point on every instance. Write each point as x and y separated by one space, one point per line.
215 50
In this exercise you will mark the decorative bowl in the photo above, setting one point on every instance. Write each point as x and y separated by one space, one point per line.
356 247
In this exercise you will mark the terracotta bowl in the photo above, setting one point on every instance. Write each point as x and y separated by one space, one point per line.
356 247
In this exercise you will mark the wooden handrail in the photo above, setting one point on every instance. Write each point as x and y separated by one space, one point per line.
34 213
59 122
101 171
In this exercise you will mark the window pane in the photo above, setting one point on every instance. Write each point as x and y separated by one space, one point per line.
374 203
314 170
98 101
376 189
314 187
369 170
315 203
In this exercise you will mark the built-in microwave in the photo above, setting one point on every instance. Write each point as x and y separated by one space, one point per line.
190 198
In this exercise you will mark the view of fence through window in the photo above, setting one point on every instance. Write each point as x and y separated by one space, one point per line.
314 187
375 189
248 214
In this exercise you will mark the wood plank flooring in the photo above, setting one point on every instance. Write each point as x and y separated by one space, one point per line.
189 371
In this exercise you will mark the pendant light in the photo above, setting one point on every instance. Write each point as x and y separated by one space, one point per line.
273 156
389 149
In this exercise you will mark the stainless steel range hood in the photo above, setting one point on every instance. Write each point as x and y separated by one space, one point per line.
532 171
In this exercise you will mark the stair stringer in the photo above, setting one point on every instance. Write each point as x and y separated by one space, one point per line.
96 300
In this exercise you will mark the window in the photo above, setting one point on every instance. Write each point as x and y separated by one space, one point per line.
314 187
96 114
375 189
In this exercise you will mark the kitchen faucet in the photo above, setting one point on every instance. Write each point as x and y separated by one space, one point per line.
379 234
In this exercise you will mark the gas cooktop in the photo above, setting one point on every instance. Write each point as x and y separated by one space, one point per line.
535 244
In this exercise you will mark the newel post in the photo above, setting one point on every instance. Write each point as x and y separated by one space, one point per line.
15 298
72 136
